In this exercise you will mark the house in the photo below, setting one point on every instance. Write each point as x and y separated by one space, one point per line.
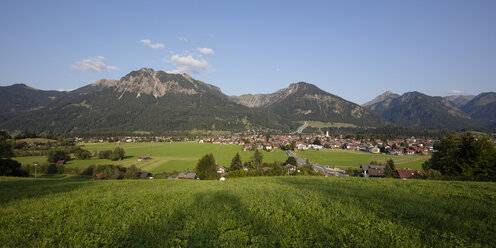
143 158
301 147
221 169
186 175
60 162
405 173
264 169
98 176
375 149
143 174
373 170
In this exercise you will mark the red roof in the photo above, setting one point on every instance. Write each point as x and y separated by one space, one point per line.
406 173
266 168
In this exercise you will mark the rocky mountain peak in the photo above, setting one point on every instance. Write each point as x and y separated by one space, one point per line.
380 98
146 81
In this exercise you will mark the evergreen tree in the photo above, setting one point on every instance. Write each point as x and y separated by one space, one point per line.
206 169
257 160
390 170
236 163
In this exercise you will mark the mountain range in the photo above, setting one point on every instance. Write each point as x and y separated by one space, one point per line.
155 101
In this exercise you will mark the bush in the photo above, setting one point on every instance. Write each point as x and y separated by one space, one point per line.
132 172
354 172
9 167
105 154
110 171
82 154
55 155
88 171
428 174
117 154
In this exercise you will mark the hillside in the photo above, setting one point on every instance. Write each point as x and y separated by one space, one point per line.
306 102
414 109
482 108
254 212
20 97
144 100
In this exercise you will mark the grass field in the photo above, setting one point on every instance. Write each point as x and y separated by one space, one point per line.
165 156
343 158
320 124
255 212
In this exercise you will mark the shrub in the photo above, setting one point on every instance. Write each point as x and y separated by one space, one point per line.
82 154
105 154
9 167
55 155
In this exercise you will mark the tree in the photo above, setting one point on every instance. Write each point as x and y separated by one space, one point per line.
292 161
117 154
6 150
206 168
390 170
236 163
257 160
82 154
9 167
316 141
465 156
106 154
132 172
55 155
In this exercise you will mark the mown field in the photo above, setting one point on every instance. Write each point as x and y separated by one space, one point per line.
178 156
344 159
255 212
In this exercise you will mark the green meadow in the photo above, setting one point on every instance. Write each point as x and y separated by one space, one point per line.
343 158
165 156
246 212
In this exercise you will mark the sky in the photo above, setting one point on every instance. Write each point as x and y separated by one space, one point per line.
353 49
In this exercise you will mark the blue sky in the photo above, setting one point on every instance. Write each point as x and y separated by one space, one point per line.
353 49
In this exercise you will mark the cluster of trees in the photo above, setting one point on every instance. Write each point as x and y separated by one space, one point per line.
117 154
206 168
111 171
8 167
463 156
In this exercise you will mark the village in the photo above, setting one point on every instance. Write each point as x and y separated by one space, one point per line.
409 146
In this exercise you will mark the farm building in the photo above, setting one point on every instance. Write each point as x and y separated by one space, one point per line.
373 170
186 175
405 173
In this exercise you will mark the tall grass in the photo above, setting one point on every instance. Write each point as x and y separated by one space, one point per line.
259 212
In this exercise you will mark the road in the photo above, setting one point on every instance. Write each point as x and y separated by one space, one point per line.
316 167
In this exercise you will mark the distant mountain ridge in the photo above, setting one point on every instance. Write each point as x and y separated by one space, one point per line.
460 100
482 108
156 101
415 109
143 100
20 97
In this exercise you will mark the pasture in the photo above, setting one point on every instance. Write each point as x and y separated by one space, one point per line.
344 159
247 212
165 156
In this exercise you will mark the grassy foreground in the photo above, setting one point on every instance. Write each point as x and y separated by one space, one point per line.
258 212
344 158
